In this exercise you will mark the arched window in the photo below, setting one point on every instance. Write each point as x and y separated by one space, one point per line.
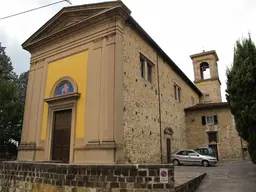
205 70
64 88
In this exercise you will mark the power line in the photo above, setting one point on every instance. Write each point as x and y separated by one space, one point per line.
68 1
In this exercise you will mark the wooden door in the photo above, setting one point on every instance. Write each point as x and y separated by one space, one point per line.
61 135
168 147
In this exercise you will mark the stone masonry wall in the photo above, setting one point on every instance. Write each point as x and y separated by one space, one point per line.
172 111
141 103
141 111
18 176
212 87
229 143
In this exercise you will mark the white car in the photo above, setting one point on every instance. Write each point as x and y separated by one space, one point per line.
191 157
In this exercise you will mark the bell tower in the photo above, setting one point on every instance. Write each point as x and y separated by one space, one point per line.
206 75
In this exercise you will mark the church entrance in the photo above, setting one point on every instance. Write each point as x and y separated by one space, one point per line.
61 135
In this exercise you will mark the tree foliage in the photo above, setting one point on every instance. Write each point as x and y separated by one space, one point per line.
241 91
22 86
12 100
10 111
6 69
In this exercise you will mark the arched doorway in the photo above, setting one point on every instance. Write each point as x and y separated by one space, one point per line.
61 120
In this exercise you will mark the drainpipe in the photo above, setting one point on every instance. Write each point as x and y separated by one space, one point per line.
159 107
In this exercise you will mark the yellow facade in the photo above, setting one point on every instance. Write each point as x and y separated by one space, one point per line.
74 66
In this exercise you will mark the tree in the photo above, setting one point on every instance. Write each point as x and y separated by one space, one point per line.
22 83
6 69
12 100
11 110
22 89
241 92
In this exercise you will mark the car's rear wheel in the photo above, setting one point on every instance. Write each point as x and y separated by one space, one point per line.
205 163
176 162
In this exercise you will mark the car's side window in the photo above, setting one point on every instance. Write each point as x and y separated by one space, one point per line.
192 153
182 153
205 151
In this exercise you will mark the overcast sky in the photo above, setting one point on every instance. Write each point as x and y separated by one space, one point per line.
180 27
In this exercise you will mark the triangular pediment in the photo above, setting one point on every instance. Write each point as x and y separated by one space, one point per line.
70 16
65 20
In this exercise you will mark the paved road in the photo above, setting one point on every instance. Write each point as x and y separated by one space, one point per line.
225 177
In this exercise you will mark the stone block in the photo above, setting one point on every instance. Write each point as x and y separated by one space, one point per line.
67 189
142 173
11 189
130 179
130 185
92 190
114 185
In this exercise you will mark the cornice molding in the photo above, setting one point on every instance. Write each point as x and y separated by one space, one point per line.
210 79
70 96
28 147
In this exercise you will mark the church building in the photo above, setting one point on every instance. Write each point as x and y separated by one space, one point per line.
101 90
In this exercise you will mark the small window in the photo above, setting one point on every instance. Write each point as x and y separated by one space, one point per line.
175 91
146 68
142 61
209 120
207 97
179 96
192 100
149 73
